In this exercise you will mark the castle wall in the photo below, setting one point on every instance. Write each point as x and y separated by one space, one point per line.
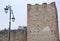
15 35
42 24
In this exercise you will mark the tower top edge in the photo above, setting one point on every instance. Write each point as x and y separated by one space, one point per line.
41 4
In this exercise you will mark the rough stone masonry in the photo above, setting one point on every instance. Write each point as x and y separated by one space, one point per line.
42 22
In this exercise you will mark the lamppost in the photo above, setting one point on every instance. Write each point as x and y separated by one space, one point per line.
13 18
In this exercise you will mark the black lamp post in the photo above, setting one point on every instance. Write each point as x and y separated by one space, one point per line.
13 18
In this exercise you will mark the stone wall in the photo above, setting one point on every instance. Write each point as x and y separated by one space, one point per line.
42 24
15 35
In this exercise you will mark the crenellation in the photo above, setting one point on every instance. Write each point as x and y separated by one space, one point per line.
42 23
53 5
44 4
36 4
28 4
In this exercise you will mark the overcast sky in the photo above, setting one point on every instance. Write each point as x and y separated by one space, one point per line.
20 11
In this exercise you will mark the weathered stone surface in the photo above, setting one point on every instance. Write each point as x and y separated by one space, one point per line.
42 22
15 35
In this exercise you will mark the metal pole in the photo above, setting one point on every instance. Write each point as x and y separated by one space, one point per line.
9 23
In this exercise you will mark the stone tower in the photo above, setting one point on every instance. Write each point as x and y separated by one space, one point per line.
42 22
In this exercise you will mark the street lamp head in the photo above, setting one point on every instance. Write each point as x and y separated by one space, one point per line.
6 9
13 18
